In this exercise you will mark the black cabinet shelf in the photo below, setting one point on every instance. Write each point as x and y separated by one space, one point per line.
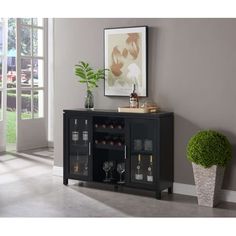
109 147
135 153
114 182
80 146
109 130
98 146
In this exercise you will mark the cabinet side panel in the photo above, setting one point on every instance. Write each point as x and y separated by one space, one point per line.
65 146
166 152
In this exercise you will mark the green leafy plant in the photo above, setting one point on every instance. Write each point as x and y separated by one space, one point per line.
209 148
88 75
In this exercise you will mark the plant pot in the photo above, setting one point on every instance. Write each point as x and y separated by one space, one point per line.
208 183
89 101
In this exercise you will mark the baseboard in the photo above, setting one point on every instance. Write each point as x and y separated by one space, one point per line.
20 149
2 149
51 144
58 171
228 195
185 189
179 188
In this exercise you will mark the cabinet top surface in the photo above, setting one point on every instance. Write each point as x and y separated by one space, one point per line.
115 112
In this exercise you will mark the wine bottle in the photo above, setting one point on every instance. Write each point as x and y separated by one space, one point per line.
133 99
138 173
96 141
105 140
115 139
85 133
150 174
75 132
111 125
119 126
111 141
105 125
76 164
119 142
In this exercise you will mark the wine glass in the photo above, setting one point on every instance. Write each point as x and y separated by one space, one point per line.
121 170
86 168
106 167
112 167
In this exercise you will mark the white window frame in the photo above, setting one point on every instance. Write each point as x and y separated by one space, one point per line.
32 88
3 57
33 127
3 87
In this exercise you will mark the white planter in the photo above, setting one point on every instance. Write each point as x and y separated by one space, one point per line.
208 183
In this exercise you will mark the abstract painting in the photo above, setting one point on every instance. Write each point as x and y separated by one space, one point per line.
126 59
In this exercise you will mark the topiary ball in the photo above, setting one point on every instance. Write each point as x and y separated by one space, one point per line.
208 148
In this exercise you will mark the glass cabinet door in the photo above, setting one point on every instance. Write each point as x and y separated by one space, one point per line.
79 150
143 151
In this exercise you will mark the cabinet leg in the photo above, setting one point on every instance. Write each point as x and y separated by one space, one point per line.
65 181
158 195
115 188
81 184
170 190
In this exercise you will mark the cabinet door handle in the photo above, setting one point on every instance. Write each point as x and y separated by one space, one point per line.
125 153
89 149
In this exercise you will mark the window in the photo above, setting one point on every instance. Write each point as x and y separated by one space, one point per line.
1 68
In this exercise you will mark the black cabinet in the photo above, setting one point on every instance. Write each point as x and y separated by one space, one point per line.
122 149
143 147
77 148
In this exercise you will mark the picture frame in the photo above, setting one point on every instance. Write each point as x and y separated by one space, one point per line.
125 55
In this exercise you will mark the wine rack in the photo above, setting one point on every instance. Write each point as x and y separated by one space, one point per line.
109 133
128 150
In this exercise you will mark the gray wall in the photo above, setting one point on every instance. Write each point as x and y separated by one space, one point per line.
192 70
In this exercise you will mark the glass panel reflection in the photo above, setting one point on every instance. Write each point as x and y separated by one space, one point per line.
26 33
1 105
26 21
26 105
11 54
38 42
38 73
79 164
38 104
142 152
1 78
38 22
11 100
1 38
26 77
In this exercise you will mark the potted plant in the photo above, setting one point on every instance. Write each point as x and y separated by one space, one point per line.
90 77
209 151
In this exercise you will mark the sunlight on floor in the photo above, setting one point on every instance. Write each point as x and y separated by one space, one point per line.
16 166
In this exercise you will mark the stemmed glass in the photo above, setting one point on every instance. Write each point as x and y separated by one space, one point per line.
106 167
86 168
112 167
121 170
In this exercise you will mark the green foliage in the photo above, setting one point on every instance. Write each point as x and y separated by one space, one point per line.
209 148
88 75
25 36
11 127
11 85
11 33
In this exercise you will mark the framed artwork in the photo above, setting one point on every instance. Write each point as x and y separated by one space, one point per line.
126 59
